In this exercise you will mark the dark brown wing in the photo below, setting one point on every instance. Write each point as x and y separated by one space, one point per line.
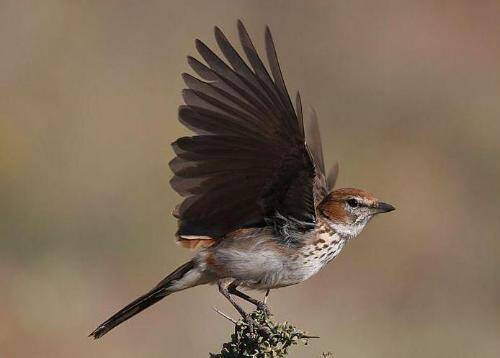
248 164
323 183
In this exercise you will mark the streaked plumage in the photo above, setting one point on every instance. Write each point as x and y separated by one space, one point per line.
257 199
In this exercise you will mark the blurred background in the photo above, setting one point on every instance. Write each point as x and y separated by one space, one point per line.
408 96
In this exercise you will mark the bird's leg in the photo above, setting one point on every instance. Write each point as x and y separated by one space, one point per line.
261 305
225 292
246 317
267 295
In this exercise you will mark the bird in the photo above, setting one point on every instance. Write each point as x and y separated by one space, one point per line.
258 206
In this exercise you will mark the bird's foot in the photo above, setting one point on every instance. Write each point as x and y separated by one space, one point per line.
251 323
254 326
262 306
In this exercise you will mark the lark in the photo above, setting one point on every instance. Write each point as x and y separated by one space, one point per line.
258 204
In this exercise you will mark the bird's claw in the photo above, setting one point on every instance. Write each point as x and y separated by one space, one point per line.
254 326
250 323
261 306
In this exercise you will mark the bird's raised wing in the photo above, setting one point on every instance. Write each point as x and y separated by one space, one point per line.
323 183
248 164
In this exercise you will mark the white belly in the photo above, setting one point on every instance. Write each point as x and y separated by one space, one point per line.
258 264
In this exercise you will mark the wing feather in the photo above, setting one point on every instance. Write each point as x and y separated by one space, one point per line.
248 162
323 183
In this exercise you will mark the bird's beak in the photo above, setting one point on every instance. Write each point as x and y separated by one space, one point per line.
384 208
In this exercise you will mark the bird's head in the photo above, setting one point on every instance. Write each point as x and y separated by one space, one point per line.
348 210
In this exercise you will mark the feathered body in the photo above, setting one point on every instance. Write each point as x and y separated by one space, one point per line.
258 259
257 200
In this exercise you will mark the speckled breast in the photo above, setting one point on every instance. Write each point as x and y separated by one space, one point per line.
322 248
319 249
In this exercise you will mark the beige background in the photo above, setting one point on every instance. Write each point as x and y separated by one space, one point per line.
408 94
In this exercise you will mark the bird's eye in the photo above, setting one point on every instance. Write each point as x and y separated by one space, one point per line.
353 203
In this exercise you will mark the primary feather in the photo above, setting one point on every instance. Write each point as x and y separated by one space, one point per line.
248 164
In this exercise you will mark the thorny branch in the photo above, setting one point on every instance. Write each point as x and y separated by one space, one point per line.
271 340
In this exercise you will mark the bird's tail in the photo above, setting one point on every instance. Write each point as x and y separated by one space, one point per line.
184 277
